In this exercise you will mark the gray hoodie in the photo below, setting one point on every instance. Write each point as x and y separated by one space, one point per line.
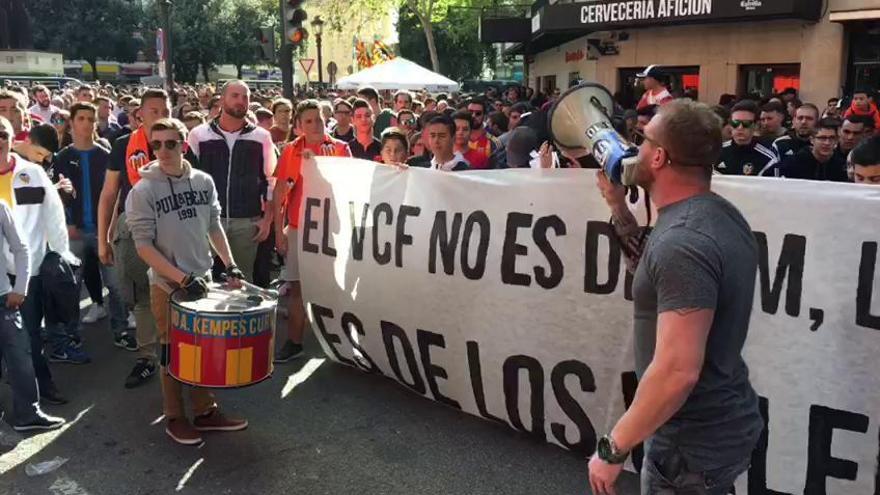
175 214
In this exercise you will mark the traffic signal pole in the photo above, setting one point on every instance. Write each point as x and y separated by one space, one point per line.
285 56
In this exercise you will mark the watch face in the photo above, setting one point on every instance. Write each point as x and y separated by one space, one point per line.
604 448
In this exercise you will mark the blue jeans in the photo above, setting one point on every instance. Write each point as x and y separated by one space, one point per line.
86 249
15 344
665 472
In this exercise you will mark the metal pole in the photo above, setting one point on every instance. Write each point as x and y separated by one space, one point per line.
165 7
320 60
285 57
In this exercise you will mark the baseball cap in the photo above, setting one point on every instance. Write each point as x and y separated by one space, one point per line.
654 71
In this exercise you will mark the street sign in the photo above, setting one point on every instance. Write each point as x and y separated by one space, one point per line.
307 64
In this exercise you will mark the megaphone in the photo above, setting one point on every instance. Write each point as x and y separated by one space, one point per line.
581 118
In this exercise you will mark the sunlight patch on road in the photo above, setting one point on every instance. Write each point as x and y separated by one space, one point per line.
31 446
301 376
188 474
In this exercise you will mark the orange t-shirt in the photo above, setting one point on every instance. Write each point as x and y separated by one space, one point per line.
290 168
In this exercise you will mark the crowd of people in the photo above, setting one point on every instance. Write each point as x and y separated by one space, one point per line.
80 166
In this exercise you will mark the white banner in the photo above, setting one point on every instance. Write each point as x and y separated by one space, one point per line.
499 293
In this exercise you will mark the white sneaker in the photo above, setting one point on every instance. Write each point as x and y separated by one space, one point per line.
132 323
95 313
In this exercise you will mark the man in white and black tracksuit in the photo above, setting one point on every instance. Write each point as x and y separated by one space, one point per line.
241 159
744 154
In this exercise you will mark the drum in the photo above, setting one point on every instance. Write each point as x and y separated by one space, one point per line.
223 340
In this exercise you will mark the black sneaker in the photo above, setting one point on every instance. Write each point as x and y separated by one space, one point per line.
143 370
126 341
75 341
41 422
288 352
52 396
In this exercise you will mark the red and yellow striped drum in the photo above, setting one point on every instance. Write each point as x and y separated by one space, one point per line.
223 340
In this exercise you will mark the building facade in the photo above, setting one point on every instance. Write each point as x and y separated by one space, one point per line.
822 48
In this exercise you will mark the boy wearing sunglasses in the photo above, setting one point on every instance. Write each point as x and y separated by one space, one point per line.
174 216
743 154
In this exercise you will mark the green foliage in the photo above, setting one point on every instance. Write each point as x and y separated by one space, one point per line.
459 50
87 29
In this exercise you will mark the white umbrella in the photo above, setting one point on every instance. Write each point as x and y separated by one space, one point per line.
398 73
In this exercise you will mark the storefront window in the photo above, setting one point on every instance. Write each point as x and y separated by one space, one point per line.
864 71
573 76
767 80
682 79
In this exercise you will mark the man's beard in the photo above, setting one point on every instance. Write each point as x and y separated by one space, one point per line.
45 104
233 112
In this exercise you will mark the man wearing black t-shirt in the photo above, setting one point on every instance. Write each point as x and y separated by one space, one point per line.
130 153
343 130
364 145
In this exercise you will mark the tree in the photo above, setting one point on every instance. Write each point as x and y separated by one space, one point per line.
88 29
239 26
458 48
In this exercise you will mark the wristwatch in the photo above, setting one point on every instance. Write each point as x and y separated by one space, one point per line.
608 451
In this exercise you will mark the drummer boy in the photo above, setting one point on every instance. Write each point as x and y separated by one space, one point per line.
174 216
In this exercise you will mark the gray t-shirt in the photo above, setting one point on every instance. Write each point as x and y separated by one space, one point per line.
702 254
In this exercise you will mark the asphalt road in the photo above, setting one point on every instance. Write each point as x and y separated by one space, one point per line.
338 431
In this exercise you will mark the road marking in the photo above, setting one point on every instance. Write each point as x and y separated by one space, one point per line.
188 474
31 446
301 376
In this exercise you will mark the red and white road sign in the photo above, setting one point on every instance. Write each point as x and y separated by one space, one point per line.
307 64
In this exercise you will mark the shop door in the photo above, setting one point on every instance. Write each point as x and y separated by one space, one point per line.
864 65
682 79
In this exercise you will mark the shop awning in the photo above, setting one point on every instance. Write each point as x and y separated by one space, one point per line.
855 15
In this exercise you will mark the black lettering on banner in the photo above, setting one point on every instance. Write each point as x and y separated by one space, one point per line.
512 249
402 238
326 248
758 469
476 369
629 382
390 333
820 464
865 291
444 242
310 225
358 231
557 270
512 366
587 443
383 257
791 260
475 271
318 314
595 230
351 322
425 340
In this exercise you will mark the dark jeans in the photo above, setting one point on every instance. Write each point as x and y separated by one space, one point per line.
15 345
32 315
665 472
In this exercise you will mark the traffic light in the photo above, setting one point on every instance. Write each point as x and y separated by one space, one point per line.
294 16
266 40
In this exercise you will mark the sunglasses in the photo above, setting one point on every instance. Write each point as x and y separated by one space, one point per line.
408 122
170 145
4 136
745 124
59 121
